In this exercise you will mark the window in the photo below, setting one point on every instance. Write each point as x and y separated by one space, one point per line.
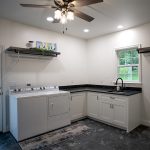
128 65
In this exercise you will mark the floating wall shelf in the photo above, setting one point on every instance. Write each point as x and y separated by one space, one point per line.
144 50
31 52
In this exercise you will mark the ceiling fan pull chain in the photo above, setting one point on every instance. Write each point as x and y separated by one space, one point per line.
63 29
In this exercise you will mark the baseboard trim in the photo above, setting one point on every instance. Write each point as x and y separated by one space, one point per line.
146 123
81 118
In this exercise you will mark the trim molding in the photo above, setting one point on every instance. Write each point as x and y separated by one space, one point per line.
146 122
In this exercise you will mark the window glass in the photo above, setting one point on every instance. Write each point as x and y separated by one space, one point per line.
128 68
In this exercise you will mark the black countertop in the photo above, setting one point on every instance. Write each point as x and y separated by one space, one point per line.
128 91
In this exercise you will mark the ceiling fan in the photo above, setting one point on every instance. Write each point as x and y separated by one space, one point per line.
66 9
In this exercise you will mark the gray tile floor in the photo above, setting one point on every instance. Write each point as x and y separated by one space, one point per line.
99 137
7 142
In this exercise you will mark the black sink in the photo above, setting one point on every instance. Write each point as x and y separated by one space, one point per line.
116 92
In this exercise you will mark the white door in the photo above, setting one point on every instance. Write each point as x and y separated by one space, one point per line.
106 109
58 105
92 105
120 117
1 48
78 105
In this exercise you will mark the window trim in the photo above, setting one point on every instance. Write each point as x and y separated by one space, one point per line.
139 65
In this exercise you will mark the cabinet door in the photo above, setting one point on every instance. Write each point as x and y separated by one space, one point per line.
120 117
32 116
78 105
106 109
58 105
93 105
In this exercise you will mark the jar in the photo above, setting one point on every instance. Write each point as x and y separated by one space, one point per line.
30 44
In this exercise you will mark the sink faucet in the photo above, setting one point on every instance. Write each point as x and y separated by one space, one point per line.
117 83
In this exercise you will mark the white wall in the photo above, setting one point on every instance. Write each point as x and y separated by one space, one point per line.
102 66
68 68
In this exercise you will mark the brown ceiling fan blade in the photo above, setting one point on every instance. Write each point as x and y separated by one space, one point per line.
79 3
59 2
37 6
83 16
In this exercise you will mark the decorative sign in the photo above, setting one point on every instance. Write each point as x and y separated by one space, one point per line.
47 46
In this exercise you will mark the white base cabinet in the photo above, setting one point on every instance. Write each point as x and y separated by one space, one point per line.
113 110
117 110
78 105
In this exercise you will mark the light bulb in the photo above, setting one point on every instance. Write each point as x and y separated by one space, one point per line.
70 15
63 19
86 30
120 27
50 19
57 14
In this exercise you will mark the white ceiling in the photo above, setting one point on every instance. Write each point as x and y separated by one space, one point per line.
108 15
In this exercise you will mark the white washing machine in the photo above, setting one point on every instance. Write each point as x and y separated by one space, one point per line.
38 110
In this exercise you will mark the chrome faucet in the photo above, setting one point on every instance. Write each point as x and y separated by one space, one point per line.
118 87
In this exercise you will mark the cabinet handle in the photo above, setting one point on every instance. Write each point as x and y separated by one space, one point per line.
97 97
52 105
112 106
71 98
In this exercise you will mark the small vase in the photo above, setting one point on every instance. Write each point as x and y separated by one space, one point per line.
30 44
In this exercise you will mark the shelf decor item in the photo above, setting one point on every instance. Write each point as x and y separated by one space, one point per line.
47 46
30 44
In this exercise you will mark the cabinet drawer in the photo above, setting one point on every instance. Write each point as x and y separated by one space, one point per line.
114 98
56 122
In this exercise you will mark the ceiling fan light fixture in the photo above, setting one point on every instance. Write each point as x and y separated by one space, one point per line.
70 15
57 14
63 19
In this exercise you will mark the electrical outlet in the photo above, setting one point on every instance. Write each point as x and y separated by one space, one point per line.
28 84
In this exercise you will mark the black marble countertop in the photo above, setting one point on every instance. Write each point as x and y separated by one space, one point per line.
128 91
